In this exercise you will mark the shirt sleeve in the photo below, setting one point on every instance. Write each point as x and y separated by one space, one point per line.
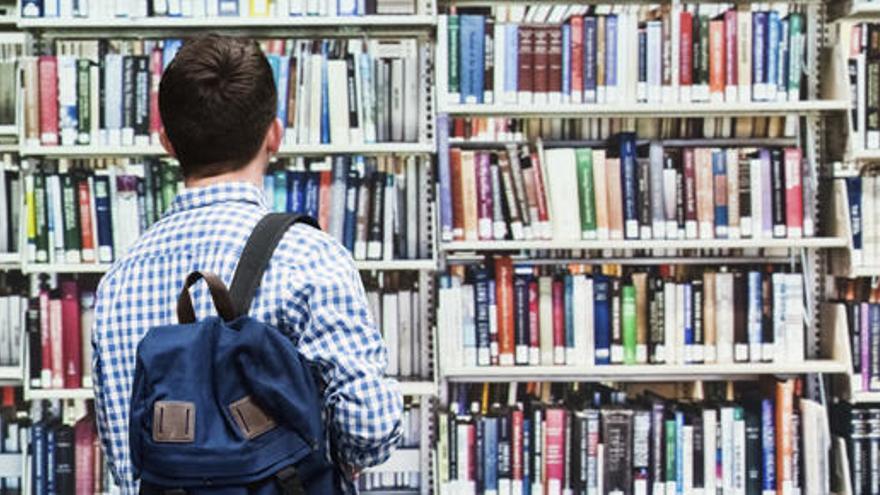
364 407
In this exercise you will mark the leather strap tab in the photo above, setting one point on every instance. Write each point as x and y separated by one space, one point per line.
289 482
219 294
256 255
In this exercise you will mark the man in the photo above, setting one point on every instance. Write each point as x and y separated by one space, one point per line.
217 100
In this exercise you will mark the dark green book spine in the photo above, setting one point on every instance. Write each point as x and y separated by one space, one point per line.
41 210
83 103
169 185
70 207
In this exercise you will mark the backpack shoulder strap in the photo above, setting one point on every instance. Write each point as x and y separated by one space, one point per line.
256 255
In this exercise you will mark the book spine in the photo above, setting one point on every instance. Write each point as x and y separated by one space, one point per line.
768 448
794 213
522 333
778 182
481 304
719 172
629 185
505 300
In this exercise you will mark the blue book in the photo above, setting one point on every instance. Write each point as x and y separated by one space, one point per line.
566 62
679 452
754 315
312 194
280 191
103 218
759 55
629 185
527 455
569 316
170 47
768 446
611 58
352 185
295 192
481 305
490 454
51 484
269 190
227 8
773 41
719 174
589 59
281 83
782 60
688 321
602 319
854 197
38 458
32 8
445 177
472 36
521 335
511 58
275 64
325 98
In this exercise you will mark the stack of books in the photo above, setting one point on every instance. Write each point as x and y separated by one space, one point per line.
775 441
863 66
404 481
497 314
861 303
858 197
618 192
106 92
211 9
624 54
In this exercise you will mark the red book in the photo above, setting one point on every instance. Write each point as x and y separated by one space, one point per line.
794 199
541 193
784 436
48 70
45 341
525 64
731 56
457 194
516 446
554 454
554 63
84 439
87 236
324 198
8 396
717 65
534 324
72 337
155 78
541 54
56 336
484 196
577 59
504 302
686 54
558 322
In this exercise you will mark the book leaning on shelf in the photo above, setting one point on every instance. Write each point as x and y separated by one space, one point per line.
861 303
216 9
614 193
863 72
10 206
59 329
404 481
773 441
859 198
336 91
624 54
498 314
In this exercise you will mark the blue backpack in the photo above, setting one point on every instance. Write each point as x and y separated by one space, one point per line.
226 405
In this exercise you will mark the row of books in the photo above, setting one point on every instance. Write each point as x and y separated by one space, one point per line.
89 211
859 197
399 481
861 303
396 309
59 329
374 206
501 314
218 9
506 129
673 193
13 309
10 207
771 441
647 54
863 71
107 91
860 426
10 52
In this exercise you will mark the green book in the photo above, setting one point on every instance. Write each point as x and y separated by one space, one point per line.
671 430
796 39
169 185
70 210
704 51
628 321
586 197
83 102
41 211
452 45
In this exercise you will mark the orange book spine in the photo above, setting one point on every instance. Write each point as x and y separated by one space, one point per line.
85 220
457 194
504 302
615 198
784 436
324 198
716 60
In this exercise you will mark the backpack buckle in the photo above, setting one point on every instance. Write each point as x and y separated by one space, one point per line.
289 482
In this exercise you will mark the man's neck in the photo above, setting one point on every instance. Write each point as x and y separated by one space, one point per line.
252 173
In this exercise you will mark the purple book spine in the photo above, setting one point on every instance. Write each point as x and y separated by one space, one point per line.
865 345
766 195
484 196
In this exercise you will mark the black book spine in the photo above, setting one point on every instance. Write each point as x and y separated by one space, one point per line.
353 117
859 455
753 449
874 449
65 482
643 198
580 441
767 336
855 332
658 445
657 334
697 305
617 436
128 96
102 77
377 212
479 452
777 180
504 452
679 196
745 190
521 315
699 474
35 347
616 322
452 433
740 317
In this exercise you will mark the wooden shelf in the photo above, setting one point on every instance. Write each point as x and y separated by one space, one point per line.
757 109
640 373
59 393
76 151
803 243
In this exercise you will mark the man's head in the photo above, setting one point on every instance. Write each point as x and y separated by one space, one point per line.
218 102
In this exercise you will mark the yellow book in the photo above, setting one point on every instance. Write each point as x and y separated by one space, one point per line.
260 8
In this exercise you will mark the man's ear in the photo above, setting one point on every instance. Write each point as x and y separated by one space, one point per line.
166 143
274 136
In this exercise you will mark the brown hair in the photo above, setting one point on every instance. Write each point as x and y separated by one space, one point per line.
217 99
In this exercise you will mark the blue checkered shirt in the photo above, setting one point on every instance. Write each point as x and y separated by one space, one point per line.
311 292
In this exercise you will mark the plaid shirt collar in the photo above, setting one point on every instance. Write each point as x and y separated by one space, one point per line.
223 192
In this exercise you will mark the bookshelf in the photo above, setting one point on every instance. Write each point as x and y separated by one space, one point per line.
648 110
647 245
162 25
75 151
72 268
